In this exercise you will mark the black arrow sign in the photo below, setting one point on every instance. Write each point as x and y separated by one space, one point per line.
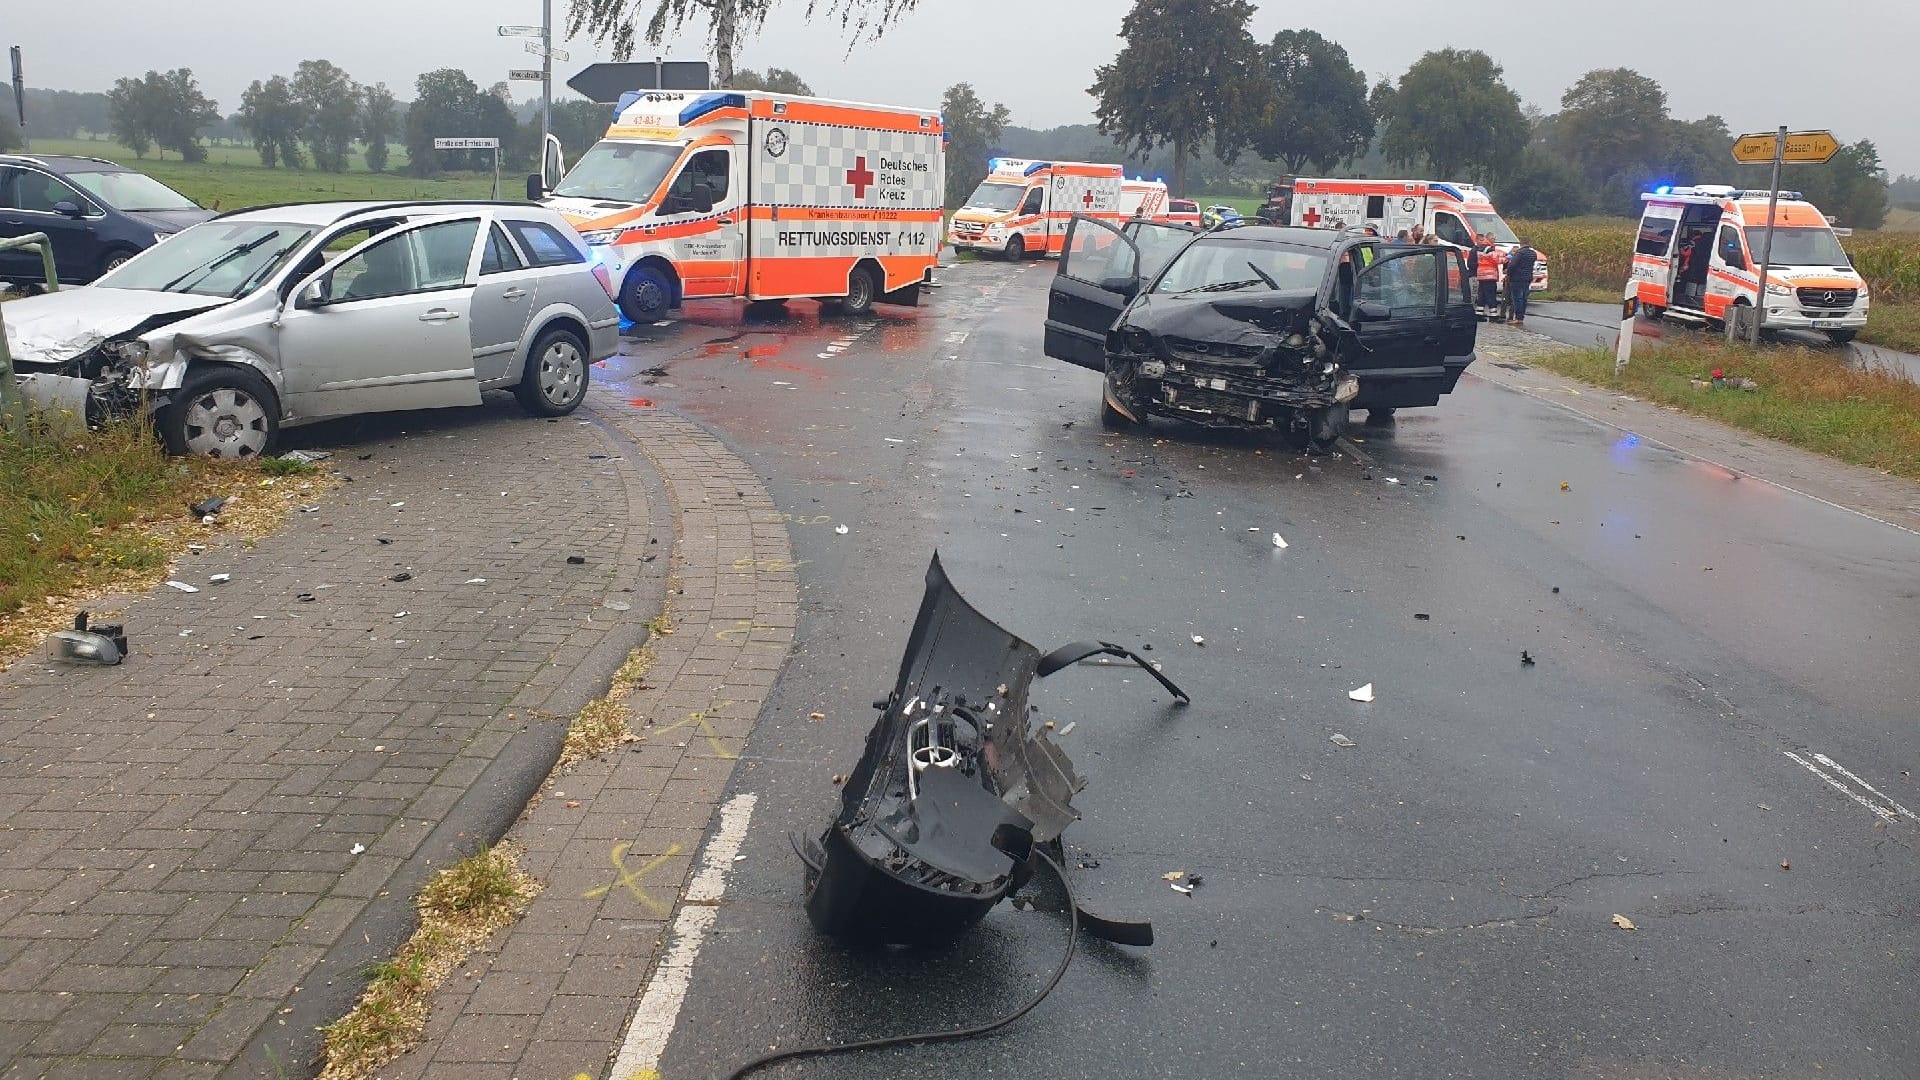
606 82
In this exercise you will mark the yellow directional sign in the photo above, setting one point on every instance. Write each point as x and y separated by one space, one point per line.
1807 147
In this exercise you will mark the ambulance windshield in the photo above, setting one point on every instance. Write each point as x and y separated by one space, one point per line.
1797 247
1485 224
992 196
619 171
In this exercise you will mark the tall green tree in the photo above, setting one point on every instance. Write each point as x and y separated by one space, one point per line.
378 123
330 101
1321 115
163 109
973 127
775 81
1452 113
1852 187
1189 72
579 124
273 120
1613 123
450 105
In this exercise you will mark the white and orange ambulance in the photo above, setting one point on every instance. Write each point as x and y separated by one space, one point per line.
1456 213
1023 207
1697 256
727 193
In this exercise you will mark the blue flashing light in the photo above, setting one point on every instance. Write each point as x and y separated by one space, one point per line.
1037 166
1447 189
993 164
626 99
707 103
1663 189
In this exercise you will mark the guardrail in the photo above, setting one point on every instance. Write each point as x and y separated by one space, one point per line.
12 410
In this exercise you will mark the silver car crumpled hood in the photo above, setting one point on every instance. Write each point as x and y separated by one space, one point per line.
56 328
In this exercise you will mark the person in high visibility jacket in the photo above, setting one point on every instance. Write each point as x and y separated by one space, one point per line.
1487 274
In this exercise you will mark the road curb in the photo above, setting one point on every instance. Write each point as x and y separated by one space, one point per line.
613 841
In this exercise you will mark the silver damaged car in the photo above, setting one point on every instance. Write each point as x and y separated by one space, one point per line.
270 318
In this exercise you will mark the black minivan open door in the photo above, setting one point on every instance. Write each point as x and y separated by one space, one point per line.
1098 276
1414 323
1158 242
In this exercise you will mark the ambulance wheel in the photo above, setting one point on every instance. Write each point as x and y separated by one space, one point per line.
861 290
1842 337
647 295
1653 312
1016 249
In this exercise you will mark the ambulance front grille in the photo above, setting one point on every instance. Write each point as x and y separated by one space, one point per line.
1827 298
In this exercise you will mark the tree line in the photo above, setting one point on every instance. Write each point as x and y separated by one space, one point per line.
1191 77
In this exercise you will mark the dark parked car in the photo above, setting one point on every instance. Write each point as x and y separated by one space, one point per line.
97 214
1259 326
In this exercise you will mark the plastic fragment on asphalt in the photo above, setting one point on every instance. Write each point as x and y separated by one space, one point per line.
1340 740
1173 875
219 579
1422 616
476 581
840 530
357 849
182 586
401 576
397 505
309 509
893 440
1279 541
1564 486
1526 658
1184 890
206 507
1364 693
1198 640
1624 923
576 560
641 403
401 614
306 457
1393 479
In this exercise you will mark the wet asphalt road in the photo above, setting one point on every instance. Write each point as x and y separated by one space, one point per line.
1436 901
1599 324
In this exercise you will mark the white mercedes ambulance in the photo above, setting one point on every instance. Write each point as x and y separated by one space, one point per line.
769 197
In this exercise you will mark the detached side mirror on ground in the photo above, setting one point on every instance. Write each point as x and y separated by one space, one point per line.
536 187
67 208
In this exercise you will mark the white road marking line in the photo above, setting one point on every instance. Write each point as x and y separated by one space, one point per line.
659 1007
1844 771
1878 811
956 337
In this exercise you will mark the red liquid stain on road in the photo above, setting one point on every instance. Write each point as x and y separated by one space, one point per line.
641 403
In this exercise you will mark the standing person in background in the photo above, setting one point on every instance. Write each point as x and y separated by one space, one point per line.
1487 275
1520 263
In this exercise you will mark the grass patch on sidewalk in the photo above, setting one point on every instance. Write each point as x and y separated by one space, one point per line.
104 511
602 724
460 908
1893 326
1807 397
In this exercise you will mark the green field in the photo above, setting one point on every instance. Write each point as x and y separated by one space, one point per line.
232 177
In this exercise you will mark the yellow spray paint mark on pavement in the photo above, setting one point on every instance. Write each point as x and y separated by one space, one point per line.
630 878
705 726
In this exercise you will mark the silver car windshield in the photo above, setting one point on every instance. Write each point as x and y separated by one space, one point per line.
218 258
619 171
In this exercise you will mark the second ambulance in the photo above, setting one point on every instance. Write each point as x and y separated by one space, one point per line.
1023 207
1456 213
769 197
1696 257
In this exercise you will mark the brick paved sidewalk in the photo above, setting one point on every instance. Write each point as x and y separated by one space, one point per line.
615 840
182 891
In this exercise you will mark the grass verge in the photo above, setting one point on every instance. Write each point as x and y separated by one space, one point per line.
1806 397
1893 326
107 511
460 908
602 724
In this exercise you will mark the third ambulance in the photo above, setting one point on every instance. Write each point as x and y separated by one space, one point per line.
1023 207
1698 249
765 196
1456 213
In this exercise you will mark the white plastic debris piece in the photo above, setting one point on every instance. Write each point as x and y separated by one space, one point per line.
476 581
894 440
219 579
401 614
196 548
358 849
1365 693
309 509
1198 640
840 529
182 586
1338 739
1279 541
1186 890
1068 730
306 457
379 748
402 503
1393 479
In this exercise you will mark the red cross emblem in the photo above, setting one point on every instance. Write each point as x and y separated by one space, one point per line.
1311 218
1087 200
860 177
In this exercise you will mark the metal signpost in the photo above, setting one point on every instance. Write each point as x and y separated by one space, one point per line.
19 88
1781 148
543 48
476 144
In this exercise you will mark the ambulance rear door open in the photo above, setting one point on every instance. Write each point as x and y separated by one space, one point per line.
1684 239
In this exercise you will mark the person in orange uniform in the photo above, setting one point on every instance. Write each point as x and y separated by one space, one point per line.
1487 274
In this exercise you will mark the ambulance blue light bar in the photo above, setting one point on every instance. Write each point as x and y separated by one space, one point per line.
707 103
626 99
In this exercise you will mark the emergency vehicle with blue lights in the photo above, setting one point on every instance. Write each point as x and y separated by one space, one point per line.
1455 212
1023 207
757 195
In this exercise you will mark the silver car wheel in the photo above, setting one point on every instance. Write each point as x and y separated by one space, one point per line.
225 423
562 373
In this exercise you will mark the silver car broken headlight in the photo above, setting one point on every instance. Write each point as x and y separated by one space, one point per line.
1153 369
132 350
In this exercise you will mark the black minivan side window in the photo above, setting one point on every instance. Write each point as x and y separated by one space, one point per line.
544 244
40 192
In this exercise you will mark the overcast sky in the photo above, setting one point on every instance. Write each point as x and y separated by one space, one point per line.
1856 76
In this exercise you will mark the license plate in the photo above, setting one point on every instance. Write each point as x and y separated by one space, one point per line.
1826 324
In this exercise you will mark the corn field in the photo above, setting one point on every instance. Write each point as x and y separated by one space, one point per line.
1597 253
